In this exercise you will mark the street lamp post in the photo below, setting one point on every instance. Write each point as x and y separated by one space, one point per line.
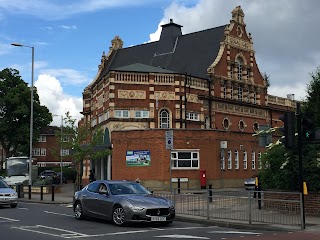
61 139
31 109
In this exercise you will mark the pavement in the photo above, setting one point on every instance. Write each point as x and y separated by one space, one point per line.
64 195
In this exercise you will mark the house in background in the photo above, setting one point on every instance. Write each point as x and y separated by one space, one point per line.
185 107
47 150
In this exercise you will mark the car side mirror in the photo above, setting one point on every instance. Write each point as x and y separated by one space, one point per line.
103 191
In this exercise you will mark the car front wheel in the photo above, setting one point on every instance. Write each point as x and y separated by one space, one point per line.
14 205
78 211
118 216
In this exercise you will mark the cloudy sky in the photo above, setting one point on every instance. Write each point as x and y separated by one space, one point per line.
69 37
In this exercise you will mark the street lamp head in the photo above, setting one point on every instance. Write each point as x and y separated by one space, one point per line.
17 44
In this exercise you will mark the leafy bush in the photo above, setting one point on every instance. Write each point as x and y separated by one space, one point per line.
42 182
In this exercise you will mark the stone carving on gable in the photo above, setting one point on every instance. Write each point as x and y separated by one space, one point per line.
239 43
164 95
132 94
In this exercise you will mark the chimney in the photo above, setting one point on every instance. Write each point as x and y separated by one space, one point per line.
170 30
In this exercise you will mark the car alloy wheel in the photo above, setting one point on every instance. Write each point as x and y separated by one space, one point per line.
78 211
118 216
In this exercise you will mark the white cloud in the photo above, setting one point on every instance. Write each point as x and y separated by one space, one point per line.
4 49
52 96
283 32
73 27
67 76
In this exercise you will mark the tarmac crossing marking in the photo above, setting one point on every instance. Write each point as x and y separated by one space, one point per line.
61 214
9 219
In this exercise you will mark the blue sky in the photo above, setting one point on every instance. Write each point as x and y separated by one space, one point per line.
70 36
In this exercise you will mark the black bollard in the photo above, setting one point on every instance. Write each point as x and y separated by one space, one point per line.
52 191
178 185
18 190
41 193
29 191
259 200
210 193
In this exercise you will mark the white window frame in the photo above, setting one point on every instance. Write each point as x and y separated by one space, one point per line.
42 138
141 114
164 120
229 159
176 159
245 160
236 159
192 116
106 115
121 114
253 160
101 118
259 160
64 152
93 122
39 152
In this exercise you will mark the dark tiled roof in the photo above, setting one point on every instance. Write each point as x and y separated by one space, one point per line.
191 53
139 67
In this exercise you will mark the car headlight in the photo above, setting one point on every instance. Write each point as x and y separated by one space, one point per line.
14 194
135 208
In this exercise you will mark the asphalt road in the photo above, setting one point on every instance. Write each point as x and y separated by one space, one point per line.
48 221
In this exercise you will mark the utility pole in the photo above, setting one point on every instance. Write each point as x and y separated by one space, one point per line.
300 163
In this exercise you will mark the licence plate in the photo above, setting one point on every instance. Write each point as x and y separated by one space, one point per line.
158 219
4 199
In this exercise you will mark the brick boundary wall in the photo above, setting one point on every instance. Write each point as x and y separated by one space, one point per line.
311 202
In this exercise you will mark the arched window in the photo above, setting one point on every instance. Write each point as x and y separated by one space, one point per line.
239 64
164 119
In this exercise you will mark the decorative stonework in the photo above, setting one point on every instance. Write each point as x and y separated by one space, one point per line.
238 43
100 101
192 98
163 95
132 94
230 108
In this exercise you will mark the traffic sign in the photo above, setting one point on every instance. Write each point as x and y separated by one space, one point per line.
169 139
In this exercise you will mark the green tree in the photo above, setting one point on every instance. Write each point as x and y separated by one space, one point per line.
312 102
15 101
83 143
282 165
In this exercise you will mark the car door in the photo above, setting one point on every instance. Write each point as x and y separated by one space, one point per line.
104 202
89 198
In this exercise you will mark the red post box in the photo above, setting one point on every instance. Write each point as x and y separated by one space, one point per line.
203 179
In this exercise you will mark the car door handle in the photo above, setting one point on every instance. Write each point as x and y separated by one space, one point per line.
84 196
96 198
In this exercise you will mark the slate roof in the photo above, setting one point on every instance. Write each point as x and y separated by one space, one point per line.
190 54
139 67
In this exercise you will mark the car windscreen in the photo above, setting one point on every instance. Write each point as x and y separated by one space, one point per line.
3 184
127 188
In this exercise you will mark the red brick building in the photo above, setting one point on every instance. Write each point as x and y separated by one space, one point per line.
204 86
47 150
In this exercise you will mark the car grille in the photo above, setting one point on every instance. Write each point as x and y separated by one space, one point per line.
4 194
158 212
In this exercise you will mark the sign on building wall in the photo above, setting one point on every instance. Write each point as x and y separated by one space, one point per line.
169 139
138 158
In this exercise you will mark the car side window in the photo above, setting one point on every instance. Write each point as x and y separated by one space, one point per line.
93 187
102 187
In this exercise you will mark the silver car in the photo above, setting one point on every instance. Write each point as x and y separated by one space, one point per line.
122 202
8 196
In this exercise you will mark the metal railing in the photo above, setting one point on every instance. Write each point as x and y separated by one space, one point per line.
252 207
